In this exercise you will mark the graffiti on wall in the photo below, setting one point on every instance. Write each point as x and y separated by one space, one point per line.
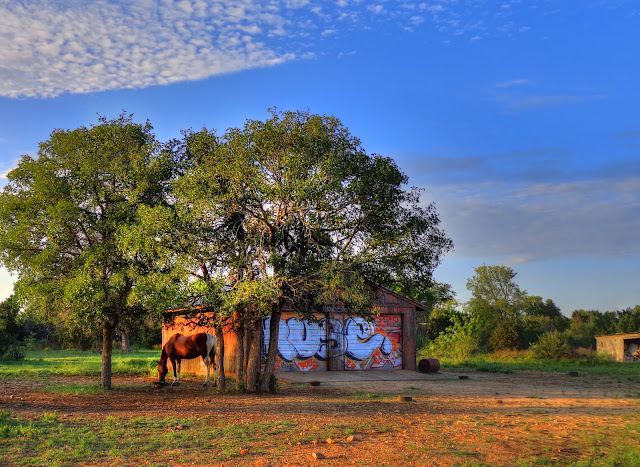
374 345
354 343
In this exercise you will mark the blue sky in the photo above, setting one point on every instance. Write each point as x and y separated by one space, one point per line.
518 118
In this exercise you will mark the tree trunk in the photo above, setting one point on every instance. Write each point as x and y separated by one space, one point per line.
107 348
220 376
253 364
274 328
240 357
126 343
247 349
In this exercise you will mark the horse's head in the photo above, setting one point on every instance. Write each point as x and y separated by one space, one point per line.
162 370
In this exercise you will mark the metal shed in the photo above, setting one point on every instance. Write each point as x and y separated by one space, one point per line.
336 342
623 347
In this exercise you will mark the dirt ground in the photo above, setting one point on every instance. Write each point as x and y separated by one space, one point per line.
490 419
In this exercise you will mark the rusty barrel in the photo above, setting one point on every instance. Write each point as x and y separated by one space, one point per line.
429 365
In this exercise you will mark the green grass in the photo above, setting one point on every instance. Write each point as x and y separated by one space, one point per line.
125 439
40 363
525 362
366 396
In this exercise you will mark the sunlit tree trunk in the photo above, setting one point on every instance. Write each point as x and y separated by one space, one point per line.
240 356
107 349
220 376
253 365
274 328
126 343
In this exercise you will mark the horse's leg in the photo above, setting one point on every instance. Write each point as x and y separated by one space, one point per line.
179 369
214 366
207 365
176 372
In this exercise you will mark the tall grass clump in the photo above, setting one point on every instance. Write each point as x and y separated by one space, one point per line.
552 346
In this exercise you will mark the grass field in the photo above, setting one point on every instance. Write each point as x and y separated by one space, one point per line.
53 412
510 361
79 363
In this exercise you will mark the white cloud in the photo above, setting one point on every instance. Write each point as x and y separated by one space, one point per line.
512 83
48 48
377 9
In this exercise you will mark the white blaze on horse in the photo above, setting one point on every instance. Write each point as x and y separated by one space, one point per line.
180 347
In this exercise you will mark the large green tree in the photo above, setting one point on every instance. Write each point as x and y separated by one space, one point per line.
64 213
9 327
494 293
292 209
629 320
496 300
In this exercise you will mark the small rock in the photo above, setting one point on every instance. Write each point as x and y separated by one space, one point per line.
351 439
244 452
498 401
330 440
317 455
181 427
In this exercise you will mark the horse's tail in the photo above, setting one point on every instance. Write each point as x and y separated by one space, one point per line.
212 343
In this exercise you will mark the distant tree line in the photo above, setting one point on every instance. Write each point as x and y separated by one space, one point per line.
22 329
501 316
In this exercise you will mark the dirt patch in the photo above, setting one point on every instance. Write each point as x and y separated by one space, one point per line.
493 419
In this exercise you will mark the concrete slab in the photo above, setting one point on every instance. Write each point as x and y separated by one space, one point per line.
304 377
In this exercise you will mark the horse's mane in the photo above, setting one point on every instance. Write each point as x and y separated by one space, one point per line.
164 356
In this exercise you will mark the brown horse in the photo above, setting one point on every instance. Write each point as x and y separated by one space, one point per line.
180 347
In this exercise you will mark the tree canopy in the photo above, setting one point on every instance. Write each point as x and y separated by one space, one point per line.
293 209
107 223
64 213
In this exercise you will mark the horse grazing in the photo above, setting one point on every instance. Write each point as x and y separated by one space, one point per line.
180 347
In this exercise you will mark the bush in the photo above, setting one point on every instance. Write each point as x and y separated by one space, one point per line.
457 341
13 354
504 337
551 345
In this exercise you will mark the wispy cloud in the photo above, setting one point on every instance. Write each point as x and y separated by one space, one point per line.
535 205
529 222
512 83
70 46
47 48
523 94
627 134
514 103
537 166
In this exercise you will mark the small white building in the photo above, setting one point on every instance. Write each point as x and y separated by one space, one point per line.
623 347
